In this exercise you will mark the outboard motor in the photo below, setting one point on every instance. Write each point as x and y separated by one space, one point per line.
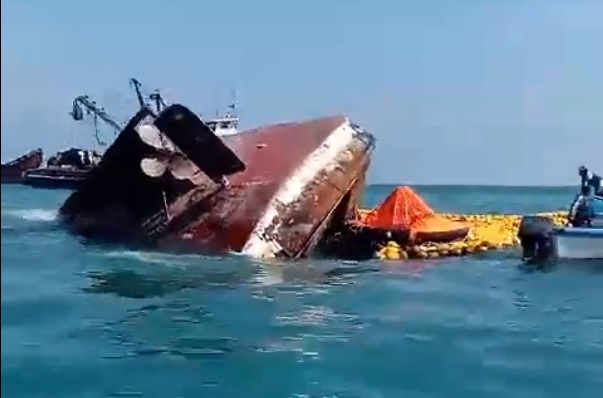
537 237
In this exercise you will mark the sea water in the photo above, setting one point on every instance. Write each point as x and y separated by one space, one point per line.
88 321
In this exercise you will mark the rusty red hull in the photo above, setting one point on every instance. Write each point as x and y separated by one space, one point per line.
276 155
293 180
12 172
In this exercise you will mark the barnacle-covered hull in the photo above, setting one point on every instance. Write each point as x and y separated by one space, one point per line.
269 192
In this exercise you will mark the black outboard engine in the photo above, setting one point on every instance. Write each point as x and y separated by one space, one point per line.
537 237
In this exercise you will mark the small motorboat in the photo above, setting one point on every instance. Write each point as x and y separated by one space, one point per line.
581 238
542 241
12 172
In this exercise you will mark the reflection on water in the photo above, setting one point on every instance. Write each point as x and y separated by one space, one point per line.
128 283
158 274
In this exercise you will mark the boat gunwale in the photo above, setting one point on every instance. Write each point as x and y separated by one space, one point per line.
592 232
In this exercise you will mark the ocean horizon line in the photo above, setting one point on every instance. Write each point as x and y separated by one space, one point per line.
473 185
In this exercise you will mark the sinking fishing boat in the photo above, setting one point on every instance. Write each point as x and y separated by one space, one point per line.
12 172
581 238
168 179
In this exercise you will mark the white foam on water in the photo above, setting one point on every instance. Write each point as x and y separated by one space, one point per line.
269 277
158 258
32 214
145 256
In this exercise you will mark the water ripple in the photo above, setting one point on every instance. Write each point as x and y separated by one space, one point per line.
92 321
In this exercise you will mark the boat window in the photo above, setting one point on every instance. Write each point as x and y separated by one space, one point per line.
224 125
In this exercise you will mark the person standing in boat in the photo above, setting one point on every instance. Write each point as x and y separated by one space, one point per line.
581 212
595 182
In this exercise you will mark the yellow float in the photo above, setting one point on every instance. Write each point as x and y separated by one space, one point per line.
404 210
487 232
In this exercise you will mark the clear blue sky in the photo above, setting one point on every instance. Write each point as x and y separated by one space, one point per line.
463 91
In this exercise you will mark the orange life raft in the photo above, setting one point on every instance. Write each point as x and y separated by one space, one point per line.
404 209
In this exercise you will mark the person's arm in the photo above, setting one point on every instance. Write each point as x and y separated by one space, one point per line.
575 206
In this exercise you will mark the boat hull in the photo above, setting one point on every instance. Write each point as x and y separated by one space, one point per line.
269 192
597 222
297 175
580 243
13 171
54 178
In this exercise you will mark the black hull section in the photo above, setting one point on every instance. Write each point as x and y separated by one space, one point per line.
119 202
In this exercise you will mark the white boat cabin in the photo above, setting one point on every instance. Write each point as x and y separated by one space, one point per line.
225 125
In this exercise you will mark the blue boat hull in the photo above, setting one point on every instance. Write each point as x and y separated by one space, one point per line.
579 243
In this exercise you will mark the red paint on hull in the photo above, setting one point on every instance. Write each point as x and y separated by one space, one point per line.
272 155
12 172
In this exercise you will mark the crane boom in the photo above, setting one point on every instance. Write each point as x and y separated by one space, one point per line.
91 108
137 86
155 96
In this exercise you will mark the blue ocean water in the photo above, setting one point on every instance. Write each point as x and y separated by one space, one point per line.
85 321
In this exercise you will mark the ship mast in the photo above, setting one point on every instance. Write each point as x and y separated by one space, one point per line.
77 113
232 108
155 97
137 86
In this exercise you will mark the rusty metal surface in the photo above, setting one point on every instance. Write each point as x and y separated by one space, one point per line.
216 214
271 154
228 216
224 219
297 223
12 172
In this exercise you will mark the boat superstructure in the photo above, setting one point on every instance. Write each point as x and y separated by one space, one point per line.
222 124
227 124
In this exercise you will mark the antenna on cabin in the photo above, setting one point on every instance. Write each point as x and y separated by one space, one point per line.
232 107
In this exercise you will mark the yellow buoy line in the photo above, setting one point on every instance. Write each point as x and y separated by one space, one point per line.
487 232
